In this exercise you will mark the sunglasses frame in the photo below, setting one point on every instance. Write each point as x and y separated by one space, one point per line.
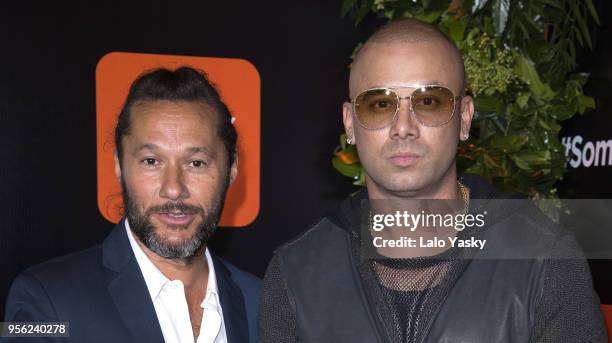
399 98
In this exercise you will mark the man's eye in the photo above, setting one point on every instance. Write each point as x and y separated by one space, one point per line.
198 164
378 105
150 162
381 104
428 101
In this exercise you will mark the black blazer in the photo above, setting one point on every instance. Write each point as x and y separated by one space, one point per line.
102 293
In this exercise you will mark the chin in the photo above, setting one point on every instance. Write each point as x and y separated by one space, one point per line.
406 182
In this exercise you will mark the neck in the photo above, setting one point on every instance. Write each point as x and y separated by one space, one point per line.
190 271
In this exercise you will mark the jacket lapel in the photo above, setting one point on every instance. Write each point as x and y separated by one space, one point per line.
232 304
128 289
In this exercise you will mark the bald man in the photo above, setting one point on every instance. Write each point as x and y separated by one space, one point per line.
334 283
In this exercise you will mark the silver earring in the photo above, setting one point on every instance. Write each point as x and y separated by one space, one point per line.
349 141
467 135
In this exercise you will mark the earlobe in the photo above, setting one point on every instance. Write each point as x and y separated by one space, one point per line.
117 168
234 170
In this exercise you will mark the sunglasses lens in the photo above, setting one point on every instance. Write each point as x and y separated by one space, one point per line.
433 105
375 108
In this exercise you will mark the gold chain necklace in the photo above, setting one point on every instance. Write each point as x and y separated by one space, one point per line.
465 197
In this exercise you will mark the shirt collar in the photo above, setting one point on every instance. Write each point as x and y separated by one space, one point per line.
156 280
212 291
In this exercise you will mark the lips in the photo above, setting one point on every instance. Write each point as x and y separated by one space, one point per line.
404 159
175 218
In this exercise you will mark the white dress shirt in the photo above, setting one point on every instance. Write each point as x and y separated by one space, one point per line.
171 304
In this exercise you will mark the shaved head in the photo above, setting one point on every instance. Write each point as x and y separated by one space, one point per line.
402 32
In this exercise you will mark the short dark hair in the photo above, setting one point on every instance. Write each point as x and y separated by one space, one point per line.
182 84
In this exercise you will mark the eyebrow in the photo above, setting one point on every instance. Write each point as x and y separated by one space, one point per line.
196 150
149 146
192 150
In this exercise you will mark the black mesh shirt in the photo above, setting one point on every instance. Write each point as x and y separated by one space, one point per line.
408 292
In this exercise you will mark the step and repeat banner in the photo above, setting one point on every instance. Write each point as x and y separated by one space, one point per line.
283 71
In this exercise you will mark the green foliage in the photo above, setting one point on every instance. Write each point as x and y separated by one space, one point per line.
519 57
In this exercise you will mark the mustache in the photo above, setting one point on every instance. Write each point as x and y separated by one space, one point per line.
173 207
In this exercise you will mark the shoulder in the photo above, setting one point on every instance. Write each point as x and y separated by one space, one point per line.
68 268
36 292
324 246
319 236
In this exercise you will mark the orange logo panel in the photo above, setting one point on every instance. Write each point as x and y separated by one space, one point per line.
238 83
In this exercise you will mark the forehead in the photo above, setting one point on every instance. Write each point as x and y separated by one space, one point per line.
401 64
163 119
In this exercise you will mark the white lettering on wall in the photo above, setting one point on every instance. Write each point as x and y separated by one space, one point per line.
589 154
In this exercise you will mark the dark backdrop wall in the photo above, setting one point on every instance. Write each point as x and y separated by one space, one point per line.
589 171
301 50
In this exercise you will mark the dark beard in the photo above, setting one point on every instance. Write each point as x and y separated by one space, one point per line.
141 226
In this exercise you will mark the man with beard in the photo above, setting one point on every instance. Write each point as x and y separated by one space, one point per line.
154 279
406 114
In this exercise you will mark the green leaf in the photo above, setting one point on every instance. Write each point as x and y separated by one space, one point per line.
533 158
430 16
489 162
501 9
562 112
581 23
544 125
477 168
520 163
509 143
528 74
585 102
592 11
550 126
456 28
580 77
363 10
485 103
350 170
522 99
346 7
480 116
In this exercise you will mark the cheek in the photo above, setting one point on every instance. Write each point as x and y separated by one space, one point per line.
443 143
142 190
370 143
205 187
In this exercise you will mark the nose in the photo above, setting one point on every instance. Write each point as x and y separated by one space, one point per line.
173 184
405 125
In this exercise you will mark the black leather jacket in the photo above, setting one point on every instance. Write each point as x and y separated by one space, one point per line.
314 292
